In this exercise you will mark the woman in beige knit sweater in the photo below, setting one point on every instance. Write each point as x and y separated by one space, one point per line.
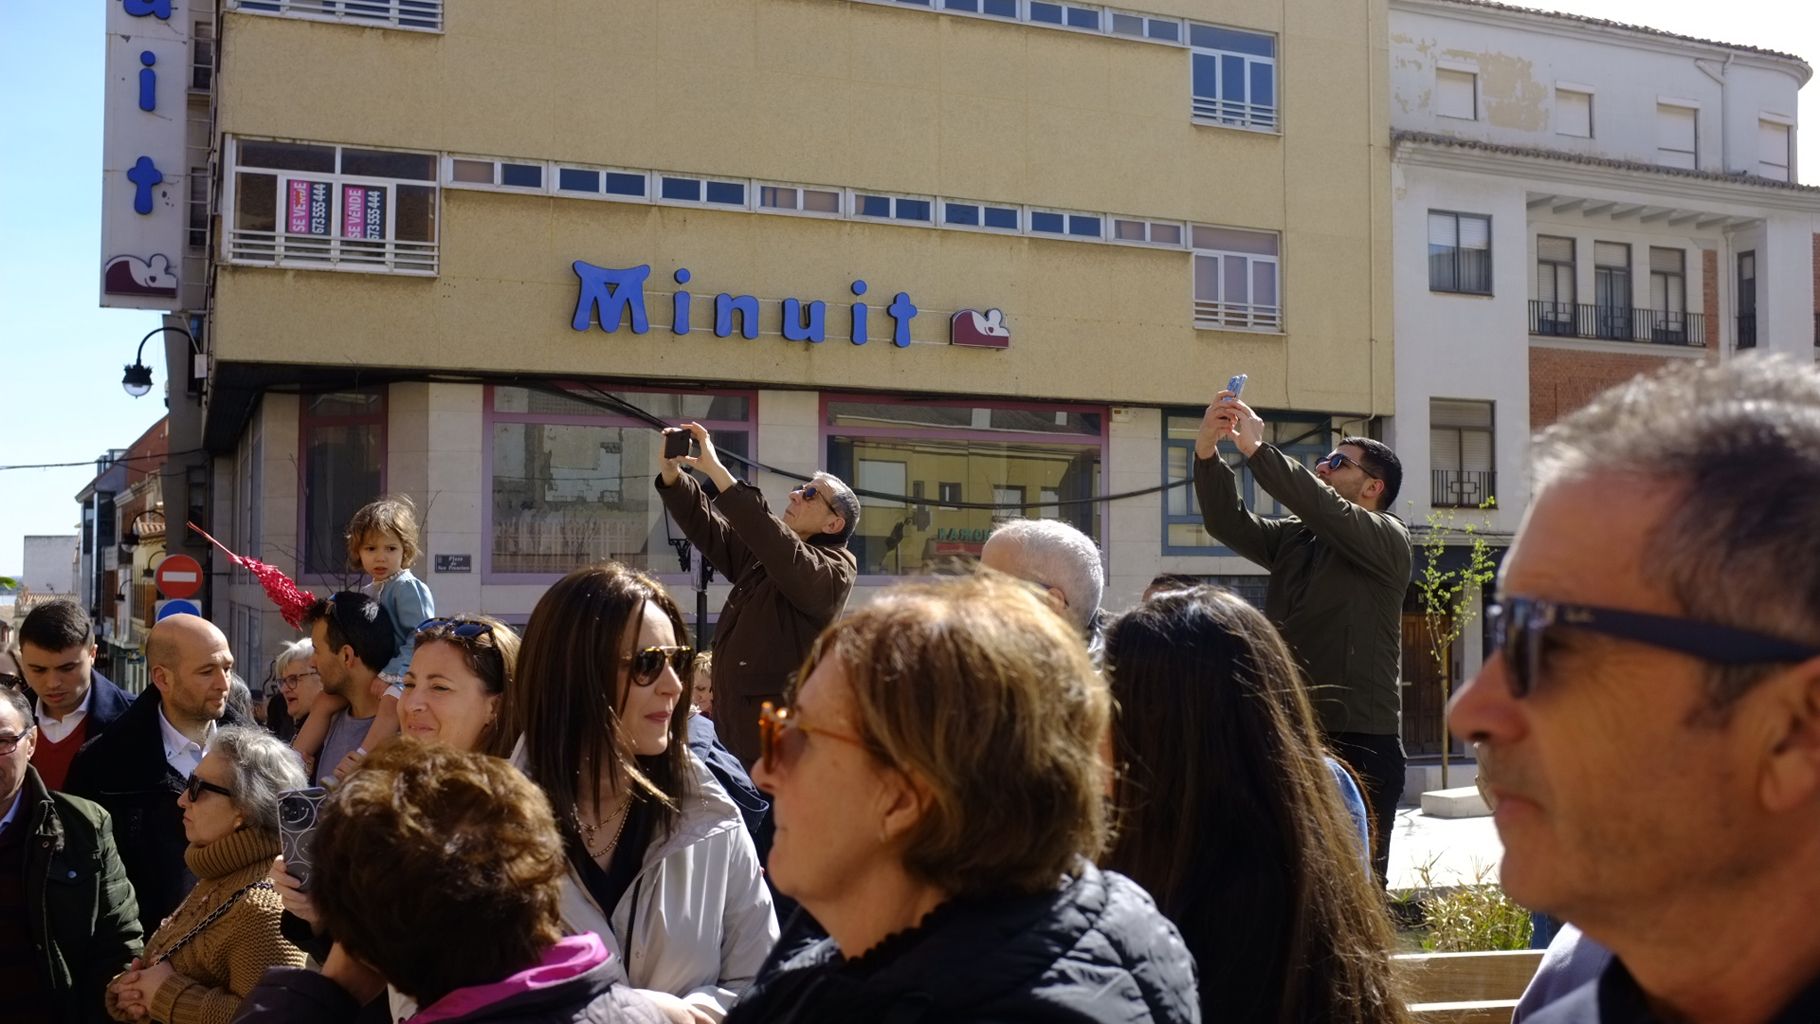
205 957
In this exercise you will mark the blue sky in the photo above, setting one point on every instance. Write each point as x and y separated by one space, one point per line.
61 357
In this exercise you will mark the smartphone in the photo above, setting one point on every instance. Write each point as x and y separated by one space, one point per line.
676 443
1237 383
297 813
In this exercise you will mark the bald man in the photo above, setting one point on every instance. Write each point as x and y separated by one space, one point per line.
138 766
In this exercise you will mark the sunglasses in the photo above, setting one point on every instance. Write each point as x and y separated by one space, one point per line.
811 492
195 786
1336 461
781 738
1519 626
649 663
463 628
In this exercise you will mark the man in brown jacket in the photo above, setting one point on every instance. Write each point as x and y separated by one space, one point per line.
791 576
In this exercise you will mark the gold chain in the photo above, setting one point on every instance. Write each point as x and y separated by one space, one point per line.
588 831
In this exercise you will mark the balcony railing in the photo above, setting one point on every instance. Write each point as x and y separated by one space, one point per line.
425 15
1456 488
1616 323
1747 330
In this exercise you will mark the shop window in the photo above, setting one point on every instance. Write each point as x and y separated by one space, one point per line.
343 446
332 207
1233 77
572 481
1304 440
999 454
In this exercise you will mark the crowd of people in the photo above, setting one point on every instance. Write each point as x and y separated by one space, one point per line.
972 798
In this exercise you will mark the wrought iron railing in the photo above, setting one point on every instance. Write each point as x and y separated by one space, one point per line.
1457 488
1616 323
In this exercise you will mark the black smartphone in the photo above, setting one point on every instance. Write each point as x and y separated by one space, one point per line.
297 812
676 443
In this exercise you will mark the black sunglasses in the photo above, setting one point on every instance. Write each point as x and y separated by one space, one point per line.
456 627
1337 461
1519 624
649 663
195 786
811 493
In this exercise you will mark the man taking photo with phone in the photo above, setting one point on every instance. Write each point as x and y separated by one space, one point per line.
791 576
1339 567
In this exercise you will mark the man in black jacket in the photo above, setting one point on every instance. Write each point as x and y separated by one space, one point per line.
136 769
1339 569
791 576
73 702
68 921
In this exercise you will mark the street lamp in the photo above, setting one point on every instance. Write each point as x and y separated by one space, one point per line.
138 379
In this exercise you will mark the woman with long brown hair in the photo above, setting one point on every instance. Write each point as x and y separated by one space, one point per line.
1228 814
661 864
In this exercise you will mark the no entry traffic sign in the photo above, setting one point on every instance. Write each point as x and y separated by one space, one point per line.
179 576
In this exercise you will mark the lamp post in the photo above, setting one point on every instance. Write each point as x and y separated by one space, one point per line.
138 379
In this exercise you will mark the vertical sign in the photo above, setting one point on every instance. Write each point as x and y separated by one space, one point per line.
306 207
363 211
144 177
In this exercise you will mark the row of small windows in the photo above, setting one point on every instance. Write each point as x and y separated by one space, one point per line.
809 200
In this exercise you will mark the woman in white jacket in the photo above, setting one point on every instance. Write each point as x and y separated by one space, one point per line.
660 864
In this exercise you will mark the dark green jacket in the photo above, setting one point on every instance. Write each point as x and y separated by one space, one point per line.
84 920
1338 574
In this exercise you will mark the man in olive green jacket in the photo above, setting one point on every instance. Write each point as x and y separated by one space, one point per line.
1339 569
70 921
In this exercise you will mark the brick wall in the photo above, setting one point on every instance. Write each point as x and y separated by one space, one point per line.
1709 297
1562 380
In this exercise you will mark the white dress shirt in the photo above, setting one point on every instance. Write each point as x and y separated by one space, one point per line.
182 753
56 731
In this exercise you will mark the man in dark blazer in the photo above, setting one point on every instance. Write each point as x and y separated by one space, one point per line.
72 703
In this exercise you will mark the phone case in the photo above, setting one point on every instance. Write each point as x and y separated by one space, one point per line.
297 813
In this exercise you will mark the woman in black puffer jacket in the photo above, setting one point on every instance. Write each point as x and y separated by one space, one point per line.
939 798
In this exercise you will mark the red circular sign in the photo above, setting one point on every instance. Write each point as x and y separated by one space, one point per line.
179 576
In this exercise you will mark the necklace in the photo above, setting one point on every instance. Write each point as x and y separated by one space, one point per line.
589 831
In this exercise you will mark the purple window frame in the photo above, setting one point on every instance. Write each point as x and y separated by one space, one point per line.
828 430
306 422
675 580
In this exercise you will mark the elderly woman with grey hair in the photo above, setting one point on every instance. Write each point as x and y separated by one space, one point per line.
211 951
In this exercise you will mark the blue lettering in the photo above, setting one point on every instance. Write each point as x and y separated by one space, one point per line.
725 305
679 304
144 174
859 315
794 327
160 9
613 293
903 312
148 81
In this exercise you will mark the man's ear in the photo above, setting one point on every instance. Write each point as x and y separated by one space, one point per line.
1790 779
835 525
161 678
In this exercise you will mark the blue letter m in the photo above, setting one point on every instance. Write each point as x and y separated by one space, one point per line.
613 292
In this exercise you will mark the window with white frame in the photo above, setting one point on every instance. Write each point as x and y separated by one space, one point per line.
602 181
1143 26
502 174
679 188
1677 136
1573 113
1773 150
982 215
425 15
996 8
1298 436
911 208
1459 252
1066 15
1059 222
799 199
1155 232
1233 76
1236 282
1457 93
331 207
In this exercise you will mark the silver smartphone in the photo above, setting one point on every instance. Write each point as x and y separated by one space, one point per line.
1237 383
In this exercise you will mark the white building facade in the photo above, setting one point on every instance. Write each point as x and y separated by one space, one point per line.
1574 202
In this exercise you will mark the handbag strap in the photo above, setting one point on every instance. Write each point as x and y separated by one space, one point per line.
213 916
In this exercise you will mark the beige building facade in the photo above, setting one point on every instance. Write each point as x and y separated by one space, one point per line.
982 258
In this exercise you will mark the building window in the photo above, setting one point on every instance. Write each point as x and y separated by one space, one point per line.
1459 252
571 481
1075 225
1611 290
981 215
249 488
1677 136
1457 94
676 188
1556 286
1066 15
1236 281
1141 26
1773 150
996 8
1747 299
1153 232
1461 454
799 199
199 210
332 207
1007 451
911 208
1233 76
423 15
1668 294
1573 113
1304 440
343 445
202 55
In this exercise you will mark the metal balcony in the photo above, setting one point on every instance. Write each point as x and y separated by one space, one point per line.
1616 323
1456 488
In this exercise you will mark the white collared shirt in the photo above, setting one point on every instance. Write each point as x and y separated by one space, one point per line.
182 753
56 731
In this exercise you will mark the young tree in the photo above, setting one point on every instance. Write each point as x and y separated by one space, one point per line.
1448 605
